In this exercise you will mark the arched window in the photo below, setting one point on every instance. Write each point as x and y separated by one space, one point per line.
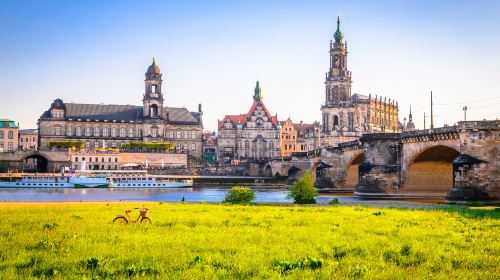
78 131
113 132
122 132
87 131
96 132
131 132
11 134
154 132
335 120
57 130
154 111
69 131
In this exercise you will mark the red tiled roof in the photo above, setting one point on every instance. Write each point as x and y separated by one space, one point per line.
242 118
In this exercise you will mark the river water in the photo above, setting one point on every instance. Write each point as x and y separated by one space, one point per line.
196 194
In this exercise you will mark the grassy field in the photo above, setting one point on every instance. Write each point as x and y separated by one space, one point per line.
186 241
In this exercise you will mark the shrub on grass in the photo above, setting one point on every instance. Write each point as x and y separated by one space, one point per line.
240 195
303 191
334 201
305 263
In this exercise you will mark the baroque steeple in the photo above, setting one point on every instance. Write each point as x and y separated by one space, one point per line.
338 35
338 78
257 92
153 96
410 126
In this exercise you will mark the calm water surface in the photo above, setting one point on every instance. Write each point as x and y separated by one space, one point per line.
198 194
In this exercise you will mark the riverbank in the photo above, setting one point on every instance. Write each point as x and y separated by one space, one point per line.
192 241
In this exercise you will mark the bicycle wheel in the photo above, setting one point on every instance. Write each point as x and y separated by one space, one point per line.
120 220
145 220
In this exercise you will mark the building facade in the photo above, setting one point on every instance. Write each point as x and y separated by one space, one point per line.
82 160
299 137
346 116
110 126
210 148
251 136
28 139
8 135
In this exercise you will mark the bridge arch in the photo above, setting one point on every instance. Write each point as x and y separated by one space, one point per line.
430 171
351 173
268 171
36 162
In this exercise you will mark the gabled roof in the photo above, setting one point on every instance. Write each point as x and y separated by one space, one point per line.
243 118
273 119
234 119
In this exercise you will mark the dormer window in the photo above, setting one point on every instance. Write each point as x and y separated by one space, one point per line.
57 113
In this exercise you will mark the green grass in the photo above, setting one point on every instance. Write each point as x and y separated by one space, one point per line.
189 241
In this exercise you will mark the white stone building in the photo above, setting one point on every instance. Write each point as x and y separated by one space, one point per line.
110 126
251 136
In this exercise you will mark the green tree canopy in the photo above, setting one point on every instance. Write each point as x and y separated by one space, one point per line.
303 190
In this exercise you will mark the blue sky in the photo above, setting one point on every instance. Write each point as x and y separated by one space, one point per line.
211 52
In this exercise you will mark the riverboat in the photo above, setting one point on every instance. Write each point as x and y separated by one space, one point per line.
141 179
56 181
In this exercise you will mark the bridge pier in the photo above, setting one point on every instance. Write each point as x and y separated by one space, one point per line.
476 169
379 173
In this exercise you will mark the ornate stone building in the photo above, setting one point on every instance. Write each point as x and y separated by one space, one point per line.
298 137
254 135
28 139
8 135
110 126
346 116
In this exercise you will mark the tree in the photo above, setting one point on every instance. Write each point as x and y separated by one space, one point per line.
303 190
240 195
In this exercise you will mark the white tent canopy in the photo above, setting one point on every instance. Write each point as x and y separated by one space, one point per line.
130 165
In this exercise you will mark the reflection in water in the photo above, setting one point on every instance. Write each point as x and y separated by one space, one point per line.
208 194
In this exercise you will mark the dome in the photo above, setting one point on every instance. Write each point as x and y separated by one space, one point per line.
338 35
58 104
153 68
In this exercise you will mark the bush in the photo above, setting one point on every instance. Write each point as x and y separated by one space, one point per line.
303 190
147 146
240 195
334 201
66 144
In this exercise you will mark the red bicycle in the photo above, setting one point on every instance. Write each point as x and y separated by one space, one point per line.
125 219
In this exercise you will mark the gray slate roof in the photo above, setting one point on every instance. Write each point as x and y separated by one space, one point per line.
28 131
123 113
103 112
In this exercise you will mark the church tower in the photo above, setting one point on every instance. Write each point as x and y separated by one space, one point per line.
338 79
153 97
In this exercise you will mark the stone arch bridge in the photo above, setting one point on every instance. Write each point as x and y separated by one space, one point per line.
458 162
47 161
